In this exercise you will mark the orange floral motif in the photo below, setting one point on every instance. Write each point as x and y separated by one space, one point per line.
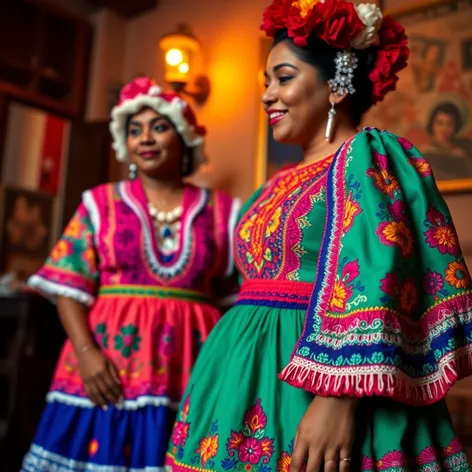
283 464
89 257
343 289
458 275
396 233
352 210
73 229
208 448
422 166
383 179
340 296
61 250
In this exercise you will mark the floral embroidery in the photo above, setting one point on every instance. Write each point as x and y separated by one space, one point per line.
71 363
101 335
422 166
433 284
62 249
352 210
180 433
451 457
93 447
383 179
90 258
208 447
285 459
343 288
263 229
250 449
166 340
395 232
181 430
128 341
274 223
457 275
441 233
403 292
73 229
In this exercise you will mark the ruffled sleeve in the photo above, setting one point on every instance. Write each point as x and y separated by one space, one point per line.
71 269
391 309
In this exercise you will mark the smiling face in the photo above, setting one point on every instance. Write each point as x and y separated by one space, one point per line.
296 100
154 145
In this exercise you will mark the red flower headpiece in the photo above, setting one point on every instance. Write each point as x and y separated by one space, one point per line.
343 25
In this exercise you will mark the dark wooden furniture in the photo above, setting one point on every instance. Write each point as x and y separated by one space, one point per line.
30 340
44 56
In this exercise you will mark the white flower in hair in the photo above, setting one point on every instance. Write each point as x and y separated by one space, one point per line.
371 15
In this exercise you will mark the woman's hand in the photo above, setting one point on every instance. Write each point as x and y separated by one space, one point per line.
325 435
100 377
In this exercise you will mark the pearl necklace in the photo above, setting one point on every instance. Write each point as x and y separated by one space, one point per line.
167 227
165 216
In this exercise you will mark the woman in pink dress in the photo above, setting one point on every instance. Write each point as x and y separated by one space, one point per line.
136 275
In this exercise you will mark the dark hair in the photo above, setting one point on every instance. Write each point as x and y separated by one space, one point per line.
189 168
448 108
322 57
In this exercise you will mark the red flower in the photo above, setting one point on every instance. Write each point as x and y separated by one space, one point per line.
180 433
298 26
275 16
333 21
255 417
392 57
338 23
250 451
441 233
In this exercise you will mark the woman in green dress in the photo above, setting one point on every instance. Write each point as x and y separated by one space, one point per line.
355 312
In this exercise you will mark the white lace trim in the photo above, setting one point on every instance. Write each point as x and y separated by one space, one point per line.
92 208
129 405
233 219
39 459
155 266
51 290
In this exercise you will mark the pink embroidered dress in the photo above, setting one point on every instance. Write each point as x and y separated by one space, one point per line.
149 314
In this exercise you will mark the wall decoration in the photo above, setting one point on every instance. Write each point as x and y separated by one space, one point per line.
433 102
26 230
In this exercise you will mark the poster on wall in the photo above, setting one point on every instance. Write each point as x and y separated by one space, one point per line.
432 106
26 232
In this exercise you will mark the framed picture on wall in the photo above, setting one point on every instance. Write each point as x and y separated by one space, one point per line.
432 105
26 230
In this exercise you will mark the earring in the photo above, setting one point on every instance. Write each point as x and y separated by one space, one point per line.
132 171
185 165
330 123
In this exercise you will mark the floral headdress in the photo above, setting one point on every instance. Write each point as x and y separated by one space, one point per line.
144 92
343 25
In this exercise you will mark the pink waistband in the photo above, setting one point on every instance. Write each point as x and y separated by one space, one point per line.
275 293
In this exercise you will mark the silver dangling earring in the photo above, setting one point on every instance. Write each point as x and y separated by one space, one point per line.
330 123
132 171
